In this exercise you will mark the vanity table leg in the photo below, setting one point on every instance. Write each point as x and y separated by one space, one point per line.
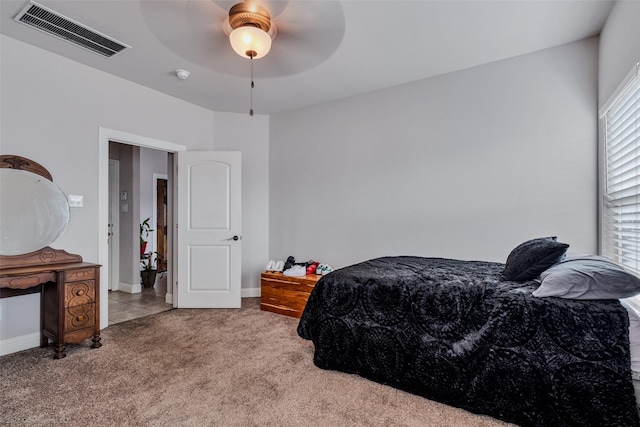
96 341
59 351
96 331
44 341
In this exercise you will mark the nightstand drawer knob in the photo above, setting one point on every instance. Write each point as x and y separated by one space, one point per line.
80 318
80 292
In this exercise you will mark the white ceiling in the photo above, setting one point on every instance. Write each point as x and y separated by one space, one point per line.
325 50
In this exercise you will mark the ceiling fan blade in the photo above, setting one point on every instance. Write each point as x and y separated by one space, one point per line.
308 34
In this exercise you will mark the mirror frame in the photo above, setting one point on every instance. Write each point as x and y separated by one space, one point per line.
9 161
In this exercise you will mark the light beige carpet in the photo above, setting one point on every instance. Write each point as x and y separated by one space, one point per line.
191 367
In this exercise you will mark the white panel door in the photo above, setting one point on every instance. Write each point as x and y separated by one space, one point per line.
209 232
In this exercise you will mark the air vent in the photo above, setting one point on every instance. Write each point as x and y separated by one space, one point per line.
44 19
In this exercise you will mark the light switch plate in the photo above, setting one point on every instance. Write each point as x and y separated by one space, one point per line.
75 201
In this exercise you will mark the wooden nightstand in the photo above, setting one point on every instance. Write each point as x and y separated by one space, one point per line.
286 295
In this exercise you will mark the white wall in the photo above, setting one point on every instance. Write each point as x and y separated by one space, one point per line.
51 110
152 162
465 165
619 46
128 266
251 136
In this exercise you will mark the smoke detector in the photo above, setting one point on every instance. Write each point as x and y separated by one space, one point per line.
182 74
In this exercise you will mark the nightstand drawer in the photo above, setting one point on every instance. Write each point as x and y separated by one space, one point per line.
277 293
285 295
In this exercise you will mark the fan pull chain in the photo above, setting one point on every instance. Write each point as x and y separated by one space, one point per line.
252 85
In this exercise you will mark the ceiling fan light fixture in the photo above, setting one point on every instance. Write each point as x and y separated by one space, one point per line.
250 33
250 30
250 42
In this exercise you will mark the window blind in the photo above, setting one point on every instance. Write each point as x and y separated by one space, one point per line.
621 195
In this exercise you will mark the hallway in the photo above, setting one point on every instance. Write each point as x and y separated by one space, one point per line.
124 306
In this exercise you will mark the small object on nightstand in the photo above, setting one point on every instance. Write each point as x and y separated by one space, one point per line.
324 269
296 271
312 267
290 263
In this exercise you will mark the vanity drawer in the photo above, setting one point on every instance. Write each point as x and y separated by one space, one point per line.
80 274
78 293
26 281
79 317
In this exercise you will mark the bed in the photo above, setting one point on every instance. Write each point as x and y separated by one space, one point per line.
467 334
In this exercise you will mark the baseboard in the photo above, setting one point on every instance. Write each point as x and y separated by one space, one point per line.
24 342
250 292
130 288
134 289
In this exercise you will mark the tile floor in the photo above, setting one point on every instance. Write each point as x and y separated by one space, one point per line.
124 306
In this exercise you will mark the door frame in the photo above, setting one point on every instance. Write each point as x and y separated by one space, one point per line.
154 211
154 223
104 136
114 207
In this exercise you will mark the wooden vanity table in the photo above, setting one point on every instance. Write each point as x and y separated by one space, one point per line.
69 288
69 294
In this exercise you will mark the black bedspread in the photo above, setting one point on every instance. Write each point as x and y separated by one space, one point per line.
452 331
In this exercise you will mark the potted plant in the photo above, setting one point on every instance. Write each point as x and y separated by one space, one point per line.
145 229
149 269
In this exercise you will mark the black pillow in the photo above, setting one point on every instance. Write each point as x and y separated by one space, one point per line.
527 260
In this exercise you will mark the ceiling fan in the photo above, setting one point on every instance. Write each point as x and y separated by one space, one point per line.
304 33
250 29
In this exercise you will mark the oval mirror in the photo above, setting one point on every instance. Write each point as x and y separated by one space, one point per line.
34 212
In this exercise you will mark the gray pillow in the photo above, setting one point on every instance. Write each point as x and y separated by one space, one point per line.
527 260
587 277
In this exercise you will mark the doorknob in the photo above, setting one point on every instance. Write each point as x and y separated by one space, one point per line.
235 238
